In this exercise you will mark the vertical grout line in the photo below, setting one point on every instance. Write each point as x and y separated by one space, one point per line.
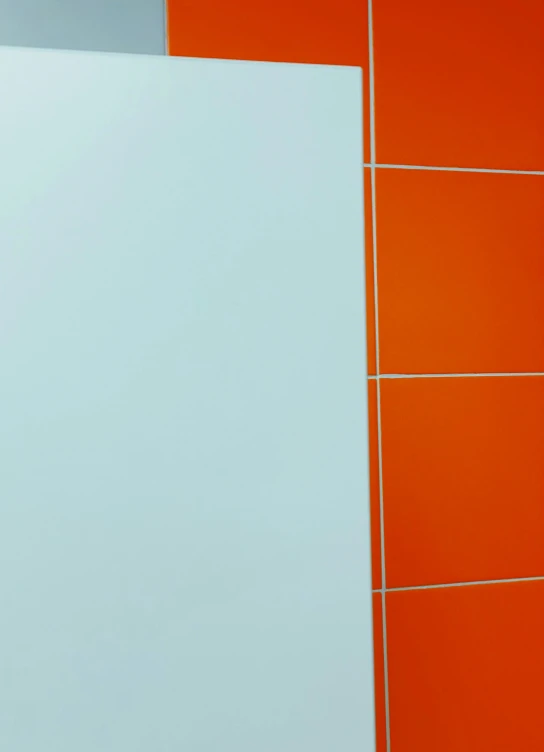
377 338
378 375
375 270
382 542
165 15
385 673
371 85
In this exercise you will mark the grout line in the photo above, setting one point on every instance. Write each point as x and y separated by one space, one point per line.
385 674
456 375
450 169
375 272
166 35
470 583
382 531
377 346
371 96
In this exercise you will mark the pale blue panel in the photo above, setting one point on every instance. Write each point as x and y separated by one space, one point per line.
184 522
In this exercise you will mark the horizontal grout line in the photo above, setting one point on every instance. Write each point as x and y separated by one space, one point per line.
458 584
452 169
454 375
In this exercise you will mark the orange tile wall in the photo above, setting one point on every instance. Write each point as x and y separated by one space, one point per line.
454 178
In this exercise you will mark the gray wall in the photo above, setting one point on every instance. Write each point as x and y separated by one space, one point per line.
101 25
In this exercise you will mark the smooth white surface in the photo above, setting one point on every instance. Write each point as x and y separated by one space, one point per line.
184 515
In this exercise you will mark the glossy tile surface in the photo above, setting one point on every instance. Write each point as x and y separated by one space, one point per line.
466 667
463 479
460 272
459 83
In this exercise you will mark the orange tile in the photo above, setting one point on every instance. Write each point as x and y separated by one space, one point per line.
329 32
465 668
463 479
459 83
460 271
379 683
375 516
369 250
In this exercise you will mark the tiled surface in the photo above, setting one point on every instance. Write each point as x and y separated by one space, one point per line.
136 26
466 667
329 32
460 271
463 479
464 78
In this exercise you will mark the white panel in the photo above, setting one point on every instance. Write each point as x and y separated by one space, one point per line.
184 523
